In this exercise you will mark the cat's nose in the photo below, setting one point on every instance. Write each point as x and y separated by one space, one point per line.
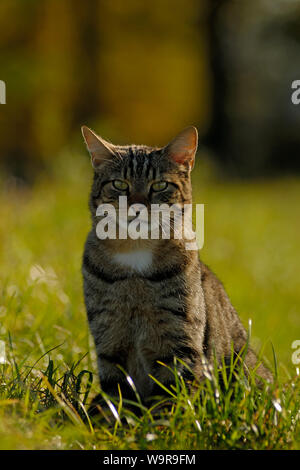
137 198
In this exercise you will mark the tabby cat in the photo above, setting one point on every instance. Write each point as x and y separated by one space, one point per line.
152 300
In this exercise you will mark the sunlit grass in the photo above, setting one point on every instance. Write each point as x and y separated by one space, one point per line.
251 242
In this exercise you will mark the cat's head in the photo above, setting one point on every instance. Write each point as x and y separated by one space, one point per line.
146 175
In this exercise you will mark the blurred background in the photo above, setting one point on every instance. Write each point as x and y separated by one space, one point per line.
139 72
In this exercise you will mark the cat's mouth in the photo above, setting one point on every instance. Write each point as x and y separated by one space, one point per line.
139 224
125 221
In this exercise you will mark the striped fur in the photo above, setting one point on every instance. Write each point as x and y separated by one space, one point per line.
174 306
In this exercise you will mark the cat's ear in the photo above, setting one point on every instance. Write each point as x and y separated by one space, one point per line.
99 149
183 148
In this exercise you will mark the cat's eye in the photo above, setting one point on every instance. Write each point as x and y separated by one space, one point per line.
159 186
119 184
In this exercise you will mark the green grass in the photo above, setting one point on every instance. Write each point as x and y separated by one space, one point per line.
251 242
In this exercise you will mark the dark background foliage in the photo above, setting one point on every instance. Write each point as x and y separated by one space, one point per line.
140 71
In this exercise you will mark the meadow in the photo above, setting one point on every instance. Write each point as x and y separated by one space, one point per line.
48 369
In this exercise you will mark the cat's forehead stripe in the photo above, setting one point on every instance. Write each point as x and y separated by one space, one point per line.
146 166
138 162
134 161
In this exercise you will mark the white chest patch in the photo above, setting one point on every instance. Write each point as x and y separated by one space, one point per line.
138 260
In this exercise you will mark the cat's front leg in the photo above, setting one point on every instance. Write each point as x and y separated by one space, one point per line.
167 370
113 382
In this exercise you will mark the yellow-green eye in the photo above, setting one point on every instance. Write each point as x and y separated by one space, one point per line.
121 185
159 186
